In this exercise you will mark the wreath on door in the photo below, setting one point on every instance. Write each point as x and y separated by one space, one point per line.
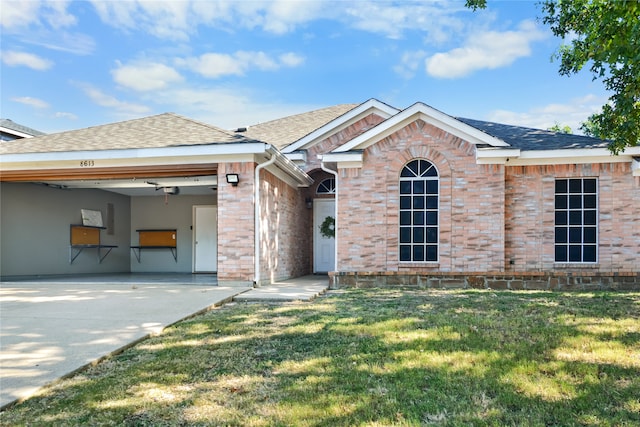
328 227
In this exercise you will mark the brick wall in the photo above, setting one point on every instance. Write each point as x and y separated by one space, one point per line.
471 205
530 192
339 138
236 224
284 234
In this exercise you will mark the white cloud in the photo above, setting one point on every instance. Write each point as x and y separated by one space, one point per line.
20 14
215 65
32 102
228 108
145 76
409 63
102 99
64 115
571 113
16 59
486 50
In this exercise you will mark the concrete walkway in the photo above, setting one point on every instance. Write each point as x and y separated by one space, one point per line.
50 328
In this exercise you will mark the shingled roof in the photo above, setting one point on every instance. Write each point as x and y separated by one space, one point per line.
162 130
529 139
11 125
287 130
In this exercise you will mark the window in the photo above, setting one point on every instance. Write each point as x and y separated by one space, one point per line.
328 186
576 223
419 192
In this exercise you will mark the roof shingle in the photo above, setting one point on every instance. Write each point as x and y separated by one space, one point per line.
162 130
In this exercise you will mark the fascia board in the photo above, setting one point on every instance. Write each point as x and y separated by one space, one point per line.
496 155
345 120
344 160
427 114
287 170
15 132
297 156
201 153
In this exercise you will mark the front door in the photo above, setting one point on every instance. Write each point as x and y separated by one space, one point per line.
324 248
205 239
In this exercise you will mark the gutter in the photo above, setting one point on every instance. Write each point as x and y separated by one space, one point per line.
257 212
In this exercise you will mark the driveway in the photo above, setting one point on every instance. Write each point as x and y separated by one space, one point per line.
51 329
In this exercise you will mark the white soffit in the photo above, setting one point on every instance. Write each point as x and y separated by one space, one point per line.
427 114
635 166
342 122
516 157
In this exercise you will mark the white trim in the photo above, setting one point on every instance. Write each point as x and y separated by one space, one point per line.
429 115
343 121
14 132
343 160
335 216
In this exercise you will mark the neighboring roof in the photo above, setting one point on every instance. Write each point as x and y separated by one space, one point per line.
10 125
162 130
285 131
529 139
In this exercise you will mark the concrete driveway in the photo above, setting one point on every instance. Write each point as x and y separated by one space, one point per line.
51 329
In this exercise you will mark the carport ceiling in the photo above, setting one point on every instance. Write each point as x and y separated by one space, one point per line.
152 186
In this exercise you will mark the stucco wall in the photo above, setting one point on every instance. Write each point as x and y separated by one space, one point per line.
158 212
471 206
530 217
35 230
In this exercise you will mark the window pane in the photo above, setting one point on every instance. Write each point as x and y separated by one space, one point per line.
561 218
575 186
575 217
432 253
561 185
575 202
432 171
418 218
405 234
423 167
405 252
561 253
418 187
432 187
405 202
418 202
418 235
418 253
575 253
589 235
575 235
561 202
432 235
432 202
589 253
589 185
590 201
432 218
405 218
589 218
561 234
405 187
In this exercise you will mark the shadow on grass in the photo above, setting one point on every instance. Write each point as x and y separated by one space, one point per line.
372 357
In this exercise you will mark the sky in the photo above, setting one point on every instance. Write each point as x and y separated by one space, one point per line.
69 65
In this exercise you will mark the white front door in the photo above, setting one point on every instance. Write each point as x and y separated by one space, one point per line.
324 248
205 239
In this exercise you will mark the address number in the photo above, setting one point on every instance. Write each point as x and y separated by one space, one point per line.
87 163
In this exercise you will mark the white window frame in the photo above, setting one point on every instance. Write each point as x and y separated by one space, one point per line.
407 210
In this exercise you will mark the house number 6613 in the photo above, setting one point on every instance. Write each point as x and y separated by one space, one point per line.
86 163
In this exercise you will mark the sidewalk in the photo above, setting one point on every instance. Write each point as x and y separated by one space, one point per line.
299 289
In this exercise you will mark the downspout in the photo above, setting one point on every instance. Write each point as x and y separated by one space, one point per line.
335 213
256 213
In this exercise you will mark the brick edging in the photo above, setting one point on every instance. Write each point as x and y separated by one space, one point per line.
559 281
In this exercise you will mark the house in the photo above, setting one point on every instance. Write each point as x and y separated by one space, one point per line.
10 130
365 192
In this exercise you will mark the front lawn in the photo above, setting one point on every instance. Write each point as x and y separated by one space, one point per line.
371 357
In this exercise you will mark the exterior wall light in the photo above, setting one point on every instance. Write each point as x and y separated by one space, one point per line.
309 202
233 179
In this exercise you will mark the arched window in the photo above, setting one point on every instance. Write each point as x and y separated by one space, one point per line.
419 194
328 186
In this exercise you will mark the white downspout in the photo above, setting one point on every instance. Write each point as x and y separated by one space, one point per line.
256 213
335 214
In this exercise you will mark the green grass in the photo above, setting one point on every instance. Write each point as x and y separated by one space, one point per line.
371 357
